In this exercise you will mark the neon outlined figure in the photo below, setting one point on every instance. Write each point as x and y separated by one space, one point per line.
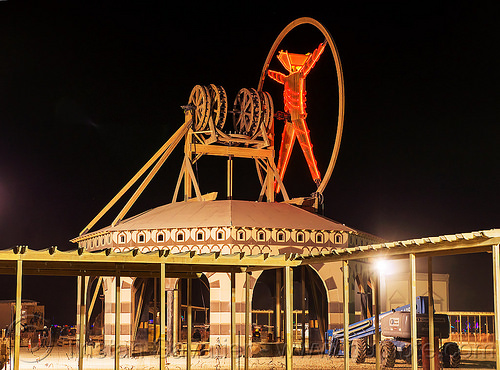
294 95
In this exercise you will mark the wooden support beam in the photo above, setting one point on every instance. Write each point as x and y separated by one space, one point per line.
173 141
496 300
430 290
278 304
189 323
413 311
94 297
303 307
162 316
175 317
289 317
230 177
17 330
248 318
138 311
376 312
82 322
233 320
117 321
235 151
345 288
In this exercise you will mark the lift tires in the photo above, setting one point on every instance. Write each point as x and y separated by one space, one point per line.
406 354
387 353
450 353
358 350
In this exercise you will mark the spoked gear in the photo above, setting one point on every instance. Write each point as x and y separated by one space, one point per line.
246 112
267 107
201 100
218 111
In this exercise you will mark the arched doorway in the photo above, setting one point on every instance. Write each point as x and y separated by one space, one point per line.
310 309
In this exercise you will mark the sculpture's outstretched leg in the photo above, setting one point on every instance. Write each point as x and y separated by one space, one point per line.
302 133
287 141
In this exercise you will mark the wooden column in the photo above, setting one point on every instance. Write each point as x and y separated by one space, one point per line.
233 320
289 316
345 288
432 348
278 306
117 321
413 311
82 318
189 323
496 300
175 317
169 330
230 177
248 319
162 316
376 313
303 307
155 307
17 322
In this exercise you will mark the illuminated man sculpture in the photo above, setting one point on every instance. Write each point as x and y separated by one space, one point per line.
298 66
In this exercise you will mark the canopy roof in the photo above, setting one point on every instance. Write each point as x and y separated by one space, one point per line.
134 263
225 213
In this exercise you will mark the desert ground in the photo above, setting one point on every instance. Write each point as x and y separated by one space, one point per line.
66 359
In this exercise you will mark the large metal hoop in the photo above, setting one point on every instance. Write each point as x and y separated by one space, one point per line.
340 81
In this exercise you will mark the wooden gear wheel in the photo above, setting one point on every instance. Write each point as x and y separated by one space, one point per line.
246 112
252 111
201 100
218 111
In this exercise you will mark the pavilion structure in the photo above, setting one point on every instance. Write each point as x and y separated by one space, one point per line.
244 258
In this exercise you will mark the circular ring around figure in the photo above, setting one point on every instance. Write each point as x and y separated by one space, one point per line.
340 82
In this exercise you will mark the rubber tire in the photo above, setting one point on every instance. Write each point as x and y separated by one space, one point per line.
387 354
450 353
358 350
406 354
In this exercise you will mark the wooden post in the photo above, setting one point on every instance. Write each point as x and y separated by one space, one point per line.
17 322
248 319
345 288
175 317
413 312
187 153
82 323
278 306
230 177
376 313
432 348
189 323
162 316
289 316
117 321
496 300
169 330
155 309
303 304
233 320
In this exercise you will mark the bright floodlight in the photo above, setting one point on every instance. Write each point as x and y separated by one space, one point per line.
382 266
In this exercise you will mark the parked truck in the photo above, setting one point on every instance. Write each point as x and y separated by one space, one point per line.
395 329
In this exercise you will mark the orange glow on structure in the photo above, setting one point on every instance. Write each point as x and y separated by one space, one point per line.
294 96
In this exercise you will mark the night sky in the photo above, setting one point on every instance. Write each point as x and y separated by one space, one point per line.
89 92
